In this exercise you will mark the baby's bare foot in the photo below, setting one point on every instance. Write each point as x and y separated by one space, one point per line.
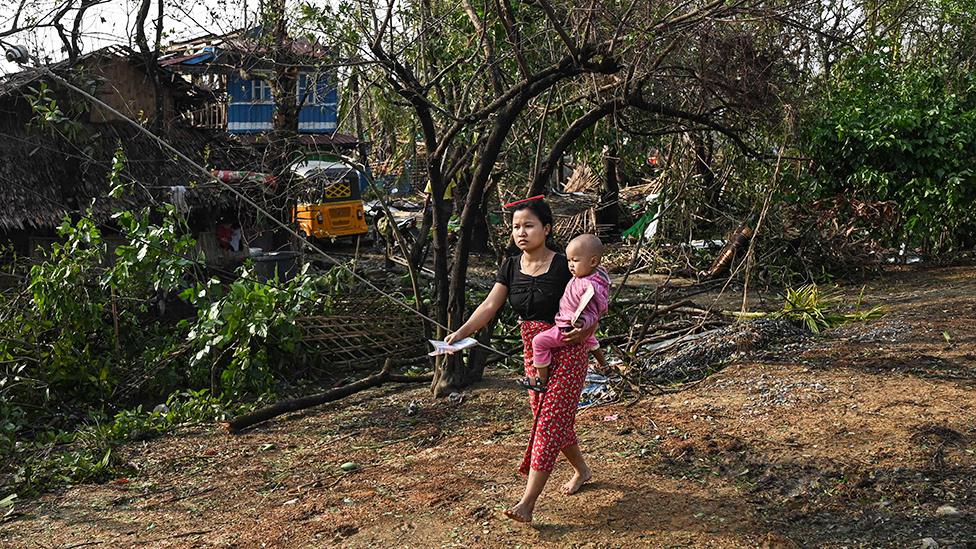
574 484
521 512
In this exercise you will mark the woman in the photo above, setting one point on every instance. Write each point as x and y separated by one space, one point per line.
533 282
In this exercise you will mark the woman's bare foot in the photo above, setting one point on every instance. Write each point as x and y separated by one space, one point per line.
579 479
521 512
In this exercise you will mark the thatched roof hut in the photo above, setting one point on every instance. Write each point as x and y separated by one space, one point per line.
44 177
52 169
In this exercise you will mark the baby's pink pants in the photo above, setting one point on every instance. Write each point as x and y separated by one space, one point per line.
549 340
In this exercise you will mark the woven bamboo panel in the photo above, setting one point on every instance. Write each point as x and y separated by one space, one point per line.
362 328
342 340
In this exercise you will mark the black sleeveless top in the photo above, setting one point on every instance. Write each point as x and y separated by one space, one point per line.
535 297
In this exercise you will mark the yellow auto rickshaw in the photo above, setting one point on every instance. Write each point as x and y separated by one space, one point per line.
330 203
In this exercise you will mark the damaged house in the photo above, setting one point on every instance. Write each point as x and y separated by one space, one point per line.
236 68
280 96
59 151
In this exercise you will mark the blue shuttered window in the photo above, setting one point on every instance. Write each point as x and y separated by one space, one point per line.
250 106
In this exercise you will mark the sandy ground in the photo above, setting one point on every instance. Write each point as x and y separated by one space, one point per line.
862 437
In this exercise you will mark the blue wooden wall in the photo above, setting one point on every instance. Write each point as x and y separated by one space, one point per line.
250 106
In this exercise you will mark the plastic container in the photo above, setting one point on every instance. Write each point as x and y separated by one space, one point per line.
285 264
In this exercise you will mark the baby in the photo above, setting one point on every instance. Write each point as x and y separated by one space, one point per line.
583 253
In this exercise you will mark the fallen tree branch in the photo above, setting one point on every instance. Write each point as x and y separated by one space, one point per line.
245 421
403 263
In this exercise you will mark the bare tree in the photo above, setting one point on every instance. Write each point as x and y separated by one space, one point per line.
638 57
150 55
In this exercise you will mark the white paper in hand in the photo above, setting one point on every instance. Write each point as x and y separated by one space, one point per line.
584 301
443 347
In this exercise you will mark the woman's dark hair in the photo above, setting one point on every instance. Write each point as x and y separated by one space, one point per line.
543 212
538 207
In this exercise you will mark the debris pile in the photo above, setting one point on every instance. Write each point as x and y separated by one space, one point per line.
839 235
618 256
692 357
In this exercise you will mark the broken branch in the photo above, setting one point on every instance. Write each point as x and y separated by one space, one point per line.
245 421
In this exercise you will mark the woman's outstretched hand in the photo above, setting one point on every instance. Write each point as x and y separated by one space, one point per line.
452 337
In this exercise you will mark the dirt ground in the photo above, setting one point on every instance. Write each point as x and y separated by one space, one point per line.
862 437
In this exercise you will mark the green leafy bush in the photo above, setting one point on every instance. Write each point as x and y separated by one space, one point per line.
888 129
246 330
91 321
86 320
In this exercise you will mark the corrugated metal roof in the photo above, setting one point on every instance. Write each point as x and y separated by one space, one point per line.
192 59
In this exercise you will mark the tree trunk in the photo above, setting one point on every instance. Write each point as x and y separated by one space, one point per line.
480 236
358 118
149 58
283 147
710 185
452 374
608 210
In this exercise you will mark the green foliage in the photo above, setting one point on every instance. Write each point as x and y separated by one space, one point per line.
246 330
67 323
54 468
13 417
816 311
889 129
86 319
88 454
48 115
94 311
115 174
90 319
811 308
181 408
158 256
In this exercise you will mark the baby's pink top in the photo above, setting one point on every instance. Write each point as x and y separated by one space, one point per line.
600 280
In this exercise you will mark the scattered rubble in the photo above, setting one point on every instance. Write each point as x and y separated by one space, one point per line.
875 332
696 358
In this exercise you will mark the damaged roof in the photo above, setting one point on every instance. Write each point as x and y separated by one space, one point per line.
17 82
44 177
48 172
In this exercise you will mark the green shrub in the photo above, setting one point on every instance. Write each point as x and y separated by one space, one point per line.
86 320
888 129
245 331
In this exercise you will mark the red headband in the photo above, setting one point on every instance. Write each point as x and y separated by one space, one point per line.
529 199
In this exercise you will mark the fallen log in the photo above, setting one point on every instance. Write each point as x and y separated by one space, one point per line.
245 421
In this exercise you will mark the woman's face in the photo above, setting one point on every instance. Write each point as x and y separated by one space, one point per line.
527 231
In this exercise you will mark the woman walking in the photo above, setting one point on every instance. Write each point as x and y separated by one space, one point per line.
532 282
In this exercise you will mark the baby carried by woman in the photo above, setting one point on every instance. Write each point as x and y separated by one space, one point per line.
584 301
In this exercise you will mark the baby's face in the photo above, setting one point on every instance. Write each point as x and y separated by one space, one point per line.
581 263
